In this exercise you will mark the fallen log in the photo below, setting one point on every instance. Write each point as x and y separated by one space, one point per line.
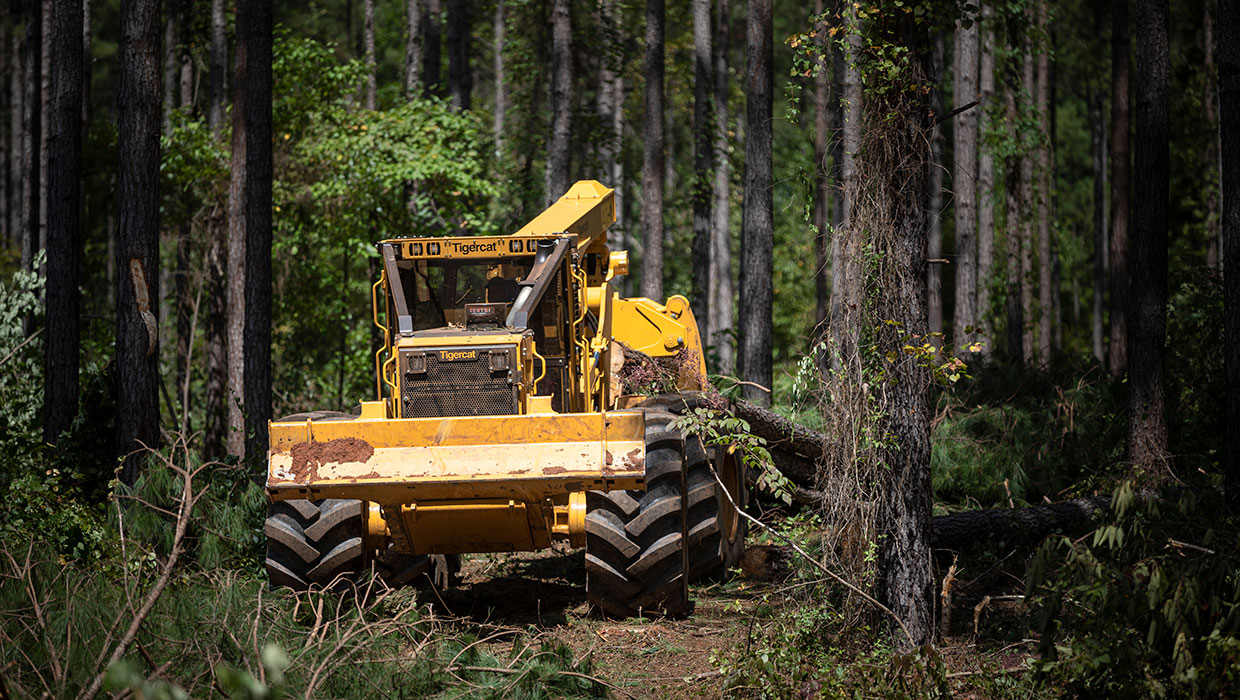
779 432
1013 525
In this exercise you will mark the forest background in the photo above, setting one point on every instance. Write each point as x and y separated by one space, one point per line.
493 108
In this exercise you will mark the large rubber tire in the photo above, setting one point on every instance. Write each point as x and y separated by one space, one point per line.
716 531
635 558
321 544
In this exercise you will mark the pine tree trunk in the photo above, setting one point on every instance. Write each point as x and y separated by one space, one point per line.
184 295
215 259
501 88
1098 141
1027 195
1229 157
1209 111
256 106
368 54
172 66
757 228
985 180
218 70
5 70
964 182
64 226
822 179
934 208
1120 169
652 157
431 23
703 162
45 99
31 146
1045 170
608 107
559 148
846 265
236 269
413 48
1147 315
137 241
721 214
460 79
17 108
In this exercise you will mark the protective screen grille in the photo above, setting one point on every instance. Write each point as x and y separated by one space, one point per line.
460 388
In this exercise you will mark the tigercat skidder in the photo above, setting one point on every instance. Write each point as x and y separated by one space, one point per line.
500 425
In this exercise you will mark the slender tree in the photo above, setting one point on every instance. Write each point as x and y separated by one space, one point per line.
137 240
236 267
1147 315
431 33
1098 143
32 134
703 161
6 233
559 148
1229 125
1027 194
17 109
934 210
368 54
985 175
185 295
413 47
501 88
964 178
216 258
1014 214
64 227
218 67
846 265
1045 170
1120 168
757 228
652 156
1209 109
610 101
721 214
460 79
254 72
822 174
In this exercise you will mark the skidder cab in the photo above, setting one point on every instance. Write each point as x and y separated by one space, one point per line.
498 425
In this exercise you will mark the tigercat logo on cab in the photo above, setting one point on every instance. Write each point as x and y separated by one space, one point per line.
457 355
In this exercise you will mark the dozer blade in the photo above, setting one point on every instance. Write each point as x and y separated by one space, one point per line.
524 458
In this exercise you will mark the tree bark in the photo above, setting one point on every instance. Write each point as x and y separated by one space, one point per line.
985 179
652 157
218 70
137 240
501 87
846 265
934 209
559 148
964 182
1027 193
17 109
6 233
460 79
721 288
1120 165
172 67
1229 157
184 296
822 177
1045 170
1098 141
757 228
431 33
31 146
413 48
1013 525
1147 314
703 162
254 101
64 225
216 259
1214 239
368 54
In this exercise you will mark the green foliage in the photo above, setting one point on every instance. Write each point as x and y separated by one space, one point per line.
720 428
1149 605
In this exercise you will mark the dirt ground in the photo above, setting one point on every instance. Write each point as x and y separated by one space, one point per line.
542 595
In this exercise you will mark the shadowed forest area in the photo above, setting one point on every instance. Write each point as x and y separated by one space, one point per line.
964 274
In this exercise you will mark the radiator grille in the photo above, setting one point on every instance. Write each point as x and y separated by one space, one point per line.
460 388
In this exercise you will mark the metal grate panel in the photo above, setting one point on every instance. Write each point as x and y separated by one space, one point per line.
461 388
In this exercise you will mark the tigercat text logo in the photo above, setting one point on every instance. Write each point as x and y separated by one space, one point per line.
473 247
457 355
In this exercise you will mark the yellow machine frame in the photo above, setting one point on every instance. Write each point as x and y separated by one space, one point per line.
506 482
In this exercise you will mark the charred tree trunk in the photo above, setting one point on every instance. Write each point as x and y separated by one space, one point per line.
64 226
964 181
703 162
1229 124
559 149
137 241
652 156
757 228
721 214
1147 315
1120 165
255 104
460 79
413 48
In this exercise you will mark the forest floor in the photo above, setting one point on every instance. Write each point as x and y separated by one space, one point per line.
530 597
